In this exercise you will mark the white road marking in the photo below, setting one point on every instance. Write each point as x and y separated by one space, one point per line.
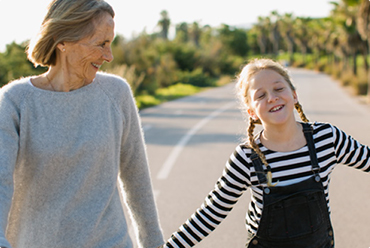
171 159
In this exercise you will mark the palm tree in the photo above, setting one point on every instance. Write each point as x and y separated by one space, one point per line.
363 25
286 27
195 33
320 36
345 15
182 32
164 23
261 31
274 34
301 34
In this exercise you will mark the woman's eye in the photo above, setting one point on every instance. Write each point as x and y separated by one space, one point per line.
280 89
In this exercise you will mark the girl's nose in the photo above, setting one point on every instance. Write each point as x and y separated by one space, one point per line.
273 98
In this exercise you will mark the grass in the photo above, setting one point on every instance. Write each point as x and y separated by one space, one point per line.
173 92
166 94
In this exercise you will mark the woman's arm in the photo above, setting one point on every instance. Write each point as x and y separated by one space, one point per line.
9 140
136 179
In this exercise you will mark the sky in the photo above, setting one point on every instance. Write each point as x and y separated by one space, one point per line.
20 19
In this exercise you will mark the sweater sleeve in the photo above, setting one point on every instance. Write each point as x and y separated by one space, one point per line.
350 152
135 176
219 202
9 137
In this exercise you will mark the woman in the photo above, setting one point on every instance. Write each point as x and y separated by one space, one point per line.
287 166
70 139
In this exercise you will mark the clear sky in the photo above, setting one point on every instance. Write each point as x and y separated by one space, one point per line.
20 19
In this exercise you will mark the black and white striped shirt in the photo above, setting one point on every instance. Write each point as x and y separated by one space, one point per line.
333 147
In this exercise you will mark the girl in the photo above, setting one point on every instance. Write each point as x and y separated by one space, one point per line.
287 166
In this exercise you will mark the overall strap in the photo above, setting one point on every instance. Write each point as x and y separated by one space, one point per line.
258 167
308 133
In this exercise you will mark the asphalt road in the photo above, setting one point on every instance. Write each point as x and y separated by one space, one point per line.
190 139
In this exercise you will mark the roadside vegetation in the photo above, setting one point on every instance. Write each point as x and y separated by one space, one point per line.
161 68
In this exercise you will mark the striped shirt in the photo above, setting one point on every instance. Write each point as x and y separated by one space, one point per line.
333 147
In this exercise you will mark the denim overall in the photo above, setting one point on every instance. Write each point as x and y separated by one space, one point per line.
294 216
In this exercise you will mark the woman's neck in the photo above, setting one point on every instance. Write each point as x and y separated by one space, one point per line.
56 80
63 81
283 138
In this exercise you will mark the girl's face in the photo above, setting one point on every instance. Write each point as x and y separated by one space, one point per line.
271 98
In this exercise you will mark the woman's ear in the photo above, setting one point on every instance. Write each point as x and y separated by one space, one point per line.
61 47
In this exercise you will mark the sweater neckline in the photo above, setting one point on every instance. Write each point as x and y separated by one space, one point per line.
77 91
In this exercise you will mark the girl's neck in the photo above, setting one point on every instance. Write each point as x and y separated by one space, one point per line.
283 138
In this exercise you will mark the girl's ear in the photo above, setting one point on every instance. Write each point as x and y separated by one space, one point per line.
295 97
252 114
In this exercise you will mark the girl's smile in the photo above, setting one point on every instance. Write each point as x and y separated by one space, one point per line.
277 108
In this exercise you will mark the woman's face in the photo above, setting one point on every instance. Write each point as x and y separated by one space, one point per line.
271 98
84 58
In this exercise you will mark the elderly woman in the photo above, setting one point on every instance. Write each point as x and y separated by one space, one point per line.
71 141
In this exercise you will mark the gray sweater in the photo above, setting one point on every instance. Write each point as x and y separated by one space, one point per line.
65 158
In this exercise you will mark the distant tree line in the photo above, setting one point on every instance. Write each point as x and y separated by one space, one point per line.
200 54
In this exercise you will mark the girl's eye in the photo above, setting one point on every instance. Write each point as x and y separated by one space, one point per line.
280 89
261 96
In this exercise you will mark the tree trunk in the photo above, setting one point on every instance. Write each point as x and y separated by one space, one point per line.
291 52
354 68
364 53
262 46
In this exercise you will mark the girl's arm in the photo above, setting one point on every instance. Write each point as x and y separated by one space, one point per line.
219 202
351 152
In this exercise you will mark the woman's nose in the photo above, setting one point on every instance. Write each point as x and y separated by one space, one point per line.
108 55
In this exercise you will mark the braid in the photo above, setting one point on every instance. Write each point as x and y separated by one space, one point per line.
257 149
299 109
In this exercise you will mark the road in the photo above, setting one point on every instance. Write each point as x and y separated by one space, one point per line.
190 139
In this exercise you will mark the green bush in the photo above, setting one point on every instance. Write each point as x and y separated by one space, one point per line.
196 77
145 101
166 94
360 83
347 78
176 91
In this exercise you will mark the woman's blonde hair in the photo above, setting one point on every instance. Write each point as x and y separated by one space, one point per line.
65 21
242 87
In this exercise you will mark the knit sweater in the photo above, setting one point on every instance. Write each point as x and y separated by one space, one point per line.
333 147
65 159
